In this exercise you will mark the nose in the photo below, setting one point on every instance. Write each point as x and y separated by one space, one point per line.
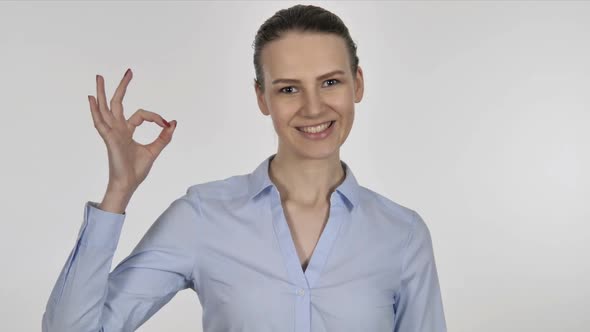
313 104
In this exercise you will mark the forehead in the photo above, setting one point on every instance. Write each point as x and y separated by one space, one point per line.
297 55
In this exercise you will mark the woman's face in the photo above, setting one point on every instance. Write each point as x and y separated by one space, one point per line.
308 98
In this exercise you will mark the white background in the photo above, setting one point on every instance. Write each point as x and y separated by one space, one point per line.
475 114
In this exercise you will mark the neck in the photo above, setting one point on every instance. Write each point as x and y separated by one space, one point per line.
306 182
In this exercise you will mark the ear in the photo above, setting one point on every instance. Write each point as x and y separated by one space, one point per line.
260 99
359 85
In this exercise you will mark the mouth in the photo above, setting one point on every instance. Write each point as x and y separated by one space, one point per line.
317 128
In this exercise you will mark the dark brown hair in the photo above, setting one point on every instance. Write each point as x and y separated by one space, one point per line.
300 18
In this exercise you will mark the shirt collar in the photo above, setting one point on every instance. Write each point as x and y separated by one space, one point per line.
259 180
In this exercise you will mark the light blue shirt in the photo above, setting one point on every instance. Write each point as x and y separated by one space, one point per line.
373 268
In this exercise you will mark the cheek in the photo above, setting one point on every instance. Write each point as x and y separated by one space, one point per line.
282 114
280 121
345 110
342 102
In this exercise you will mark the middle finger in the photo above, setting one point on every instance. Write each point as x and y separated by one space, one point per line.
117 100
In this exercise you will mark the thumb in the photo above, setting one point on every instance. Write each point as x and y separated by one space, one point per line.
162 140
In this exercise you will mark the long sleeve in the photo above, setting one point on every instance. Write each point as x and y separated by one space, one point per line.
418 304
86 297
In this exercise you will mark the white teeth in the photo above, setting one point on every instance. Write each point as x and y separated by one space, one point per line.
315 129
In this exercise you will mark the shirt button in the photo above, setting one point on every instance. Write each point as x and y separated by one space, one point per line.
300 292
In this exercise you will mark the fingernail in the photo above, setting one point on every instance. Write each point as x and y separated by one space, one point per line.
166 123
127 72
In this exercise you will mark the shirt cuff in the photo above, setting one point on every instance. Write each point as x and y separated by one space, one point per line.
101 229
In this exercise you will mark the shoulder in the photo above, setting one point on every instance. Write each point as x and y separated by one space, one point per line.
392 212
226 189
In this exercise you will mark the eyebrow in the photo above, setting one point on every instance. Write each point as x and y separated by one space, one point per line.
291 80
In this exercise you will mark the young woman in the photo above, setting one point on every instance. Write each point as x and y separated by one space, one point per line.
296 245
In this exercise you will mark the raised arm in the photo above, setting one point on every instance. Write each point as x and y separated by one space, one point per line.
86 297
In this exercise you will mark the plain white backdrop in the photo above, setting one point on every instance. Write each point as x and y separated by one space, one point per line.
475 114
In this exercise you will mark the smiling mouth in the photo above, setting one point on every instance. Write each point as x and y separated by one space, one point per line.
330 125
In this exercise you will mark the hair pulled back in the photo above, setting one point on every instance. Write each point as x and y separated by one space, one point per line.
300 18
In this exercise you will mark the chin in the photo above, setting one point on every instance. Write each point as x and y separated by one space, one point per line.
318 153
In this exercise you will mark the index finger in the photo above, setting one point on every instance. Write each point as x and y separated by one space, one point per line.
117 100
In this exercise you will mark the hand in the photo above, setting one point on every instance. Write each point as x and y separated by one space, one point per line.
129 161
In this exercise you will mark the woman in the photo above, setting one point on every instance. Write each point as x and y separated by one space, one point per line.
296 245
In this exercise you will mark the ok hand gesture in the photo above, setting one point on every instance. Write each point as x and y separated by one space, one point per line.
129 161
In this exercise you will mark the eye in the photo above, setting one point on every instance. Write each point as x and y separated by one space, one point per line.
333 79
287 87
282 90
